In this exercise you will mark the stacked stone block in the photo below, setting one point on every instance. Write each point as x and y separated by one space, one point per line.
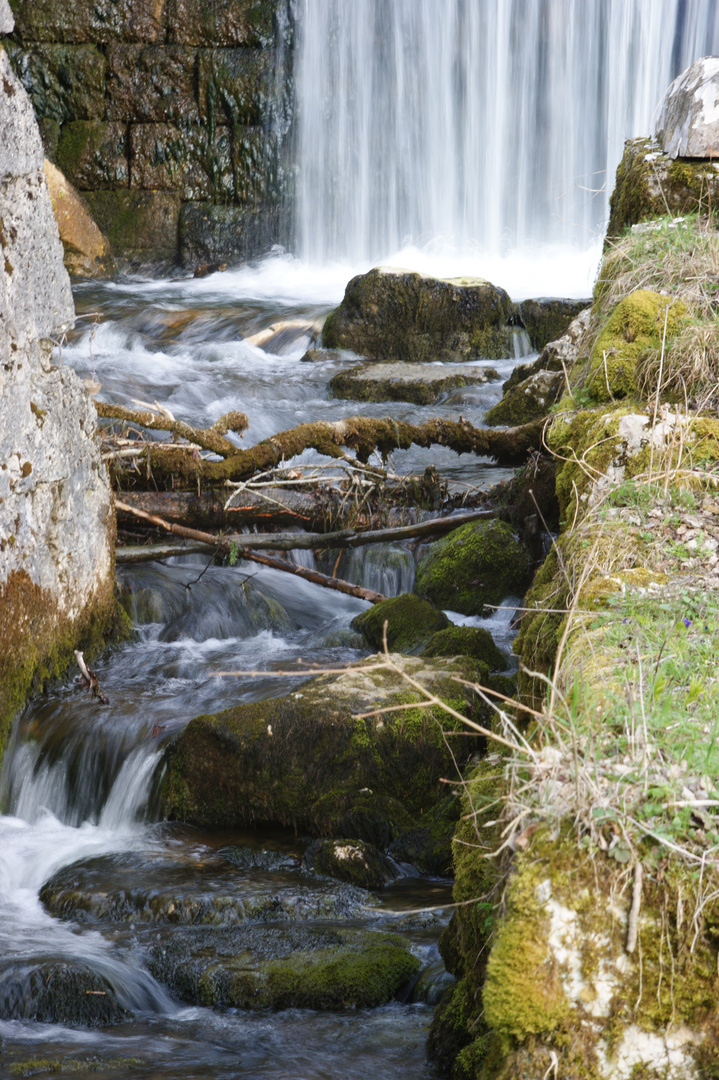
170 116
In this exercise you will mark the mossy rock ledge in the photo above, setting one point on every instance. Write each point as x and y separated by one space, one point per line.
477 564
548 317
422 384
411 623
399 315
310 761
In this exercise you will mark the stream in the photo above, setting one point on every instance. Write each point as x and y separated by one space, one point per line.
91 879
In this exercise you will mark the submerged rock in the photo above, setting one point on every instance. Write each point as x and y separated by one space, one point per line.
548 317
477 564
308 759
391 314
58 992
308 968
411 622
688 121
428 846
419 383
352 861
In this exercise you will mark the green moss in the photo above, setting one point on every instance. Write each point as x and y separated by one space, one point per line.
472 641
634 329
527 400
33 1066
477 564
411 622
631 200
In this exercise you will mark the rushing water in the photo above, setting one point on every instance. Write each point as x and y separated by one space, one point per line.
79 784
466 130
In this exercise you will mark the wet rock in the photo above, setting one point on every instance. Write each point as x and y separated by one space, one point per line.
472 641
65 82
352 861
98 22
313 356
151 83
210 232
58 992
234 85
419 383
397 315
224 22
428 845
527 400
92 154
189 161
87 251
411 622
556 355
297 968
280 336
548 318
651 184
477 564
307 759
142 226
688 121
254 859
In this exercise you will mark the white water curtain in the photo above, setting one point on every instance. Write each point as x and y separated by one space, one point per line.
476 124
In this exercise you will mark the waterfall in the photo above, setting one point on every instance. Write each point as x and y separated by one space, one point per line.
476 125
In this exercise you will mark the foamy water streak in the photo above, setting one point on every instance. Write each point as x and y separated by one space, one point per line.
488 125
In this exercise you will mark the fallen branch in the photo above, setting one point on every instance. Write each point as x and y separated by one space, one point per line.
208 438
633 921
346 538
227 544
181 467
88 679
207 510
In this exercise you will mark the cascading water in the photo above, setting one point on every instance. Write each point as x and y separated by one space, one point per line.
476 125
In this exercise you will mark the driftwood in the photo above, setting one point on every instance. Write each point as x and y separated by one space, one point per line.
88 679
183 467
278 507
228 544
346 538
208 438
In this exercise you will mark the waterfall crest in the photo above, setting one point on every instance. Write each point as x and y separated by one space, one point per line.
480 125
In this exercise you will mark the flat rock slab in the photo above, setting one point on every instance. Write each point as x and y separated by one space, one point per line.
423 384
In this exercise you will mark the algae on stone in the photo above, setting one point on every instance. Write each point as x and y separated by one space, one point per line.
411 622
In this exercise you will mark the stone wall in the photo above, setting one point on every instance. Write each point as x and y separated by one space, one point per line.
170 116
56 542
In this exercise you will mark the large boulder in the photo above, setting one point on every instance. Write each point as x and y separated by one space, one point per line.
56 523
411 622
87 252
477 564
314 759
688 121
391 314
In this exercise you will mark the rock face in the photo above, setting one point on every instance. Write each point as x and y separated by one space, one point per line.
688 122
87 251
398 315
170 113
418 383
56 554
548 317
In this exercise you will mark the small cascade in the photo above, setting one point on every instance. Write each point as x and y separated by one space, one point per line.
489 125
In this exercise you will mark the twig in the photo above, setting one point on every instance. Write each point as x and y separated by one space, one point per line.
88 679
633 922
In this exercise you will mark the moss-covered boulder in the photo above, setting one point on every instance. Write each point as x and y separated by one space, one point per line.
298 968
634 330
527 400
472 641
58 992
477 564
352 861
428 846
391 314
559 355
421 384
309 760
548 317
650 184
411 622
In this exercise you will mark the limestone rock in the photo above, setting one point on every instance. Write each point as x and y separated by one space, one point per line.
651 184
411 622
556 355
87 251
391 314
308 759
688 122
352 861
7 20
56 552
479 563
527 400
420 383
142 226
548 317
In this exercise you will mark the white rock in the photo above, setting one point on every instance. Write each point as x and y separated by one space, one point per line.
688 122
7 19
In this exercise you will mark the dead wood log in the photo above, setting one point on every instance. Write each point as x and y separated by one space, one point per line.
208 438
181 468
228 543
299 508
346 538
